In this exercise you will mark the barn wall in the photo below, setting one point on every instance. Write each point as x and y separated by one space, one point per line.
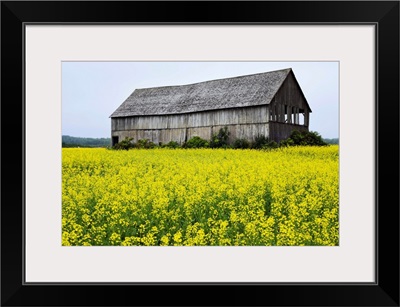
203 132
281 131
250 115
248 132
156 135
241 123
243 131
287 103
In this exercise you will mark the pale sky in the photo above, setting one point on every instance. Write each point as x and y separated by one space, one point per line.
92 91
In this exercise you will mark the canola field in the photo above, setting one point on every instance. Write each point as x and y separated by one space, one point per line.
206 197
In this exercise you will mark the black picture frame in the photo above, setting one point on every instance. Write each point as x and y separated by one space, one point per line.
383 14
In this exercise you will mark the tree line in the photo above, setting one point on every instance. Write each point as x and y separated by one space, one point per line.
72 141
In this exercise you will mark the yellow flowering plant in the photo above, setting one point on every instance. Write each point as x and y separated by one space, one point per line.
204 197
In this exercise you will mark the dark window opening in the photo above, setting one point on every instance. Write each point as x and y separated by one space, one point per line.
114 140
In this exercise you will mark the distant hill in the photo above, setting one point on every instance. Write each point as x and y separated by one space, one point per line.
332 141
72 141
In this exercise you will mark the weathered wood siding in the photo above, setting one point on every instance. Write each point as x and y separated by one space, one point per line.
250 115
281 131
288 111
289 104
241 122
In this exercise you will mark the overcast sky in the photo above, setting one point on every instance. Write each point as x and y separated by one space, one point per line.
92 91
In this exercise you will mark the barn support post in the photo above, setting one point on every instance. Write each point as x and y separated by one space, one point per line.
296 115
273 113
306 117
271 107
293 115
283 112
278 112
275 116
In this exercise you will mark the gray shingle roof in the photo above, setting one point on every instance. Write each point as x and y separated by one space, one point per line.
242 91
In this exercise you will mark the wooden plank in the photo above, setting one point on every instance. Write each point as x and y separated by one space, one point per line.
307 117
251 115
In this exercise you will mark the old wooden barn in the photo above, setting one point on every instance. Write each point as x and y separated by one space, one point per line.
270 104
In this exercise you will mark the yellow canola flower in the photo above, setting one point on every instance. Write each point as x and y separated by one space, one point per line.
202 197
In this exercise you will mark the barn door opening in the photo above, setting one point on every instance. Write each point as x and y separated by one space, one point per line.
302 118
114 140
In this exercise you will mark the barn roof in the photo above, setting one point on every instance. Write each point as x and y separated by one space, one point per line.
242 91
